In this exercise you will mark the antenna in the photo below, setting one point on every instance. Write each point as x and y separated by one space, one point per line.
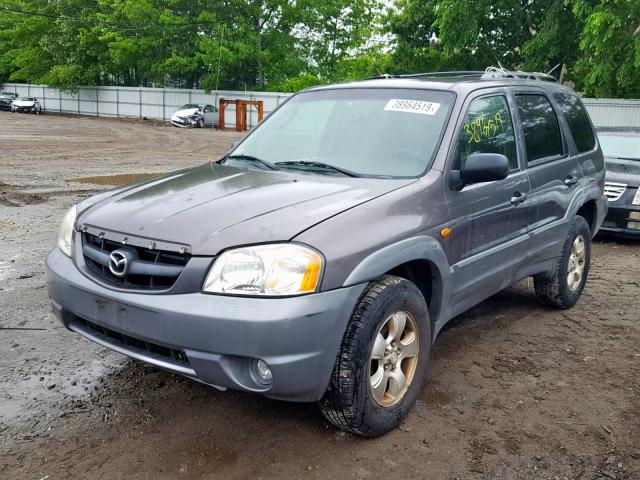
553 69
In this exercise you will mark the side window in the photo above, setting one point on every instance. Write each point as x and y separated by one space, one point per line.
207 109
542 136
578 120
487 128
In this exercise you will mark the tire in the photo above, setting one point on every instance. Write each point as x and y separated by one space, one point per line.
349 402
554 288
200 123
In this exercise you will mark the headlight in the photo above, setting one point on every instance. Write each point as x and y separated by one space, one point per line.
65 237
636 199
267 270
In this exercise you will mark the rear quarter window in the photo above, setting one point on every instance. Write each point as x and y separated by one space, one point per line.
578 120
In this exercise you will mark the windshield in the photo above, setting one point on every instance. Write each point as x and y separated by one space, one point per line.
25 99
620 144
365 132
189 106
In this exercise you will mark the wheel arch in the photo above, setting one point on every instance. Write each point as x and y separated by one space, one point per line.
589 211
591 204
420 260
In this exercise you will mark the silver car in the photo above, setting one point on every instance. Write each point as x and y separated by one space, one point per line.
195 115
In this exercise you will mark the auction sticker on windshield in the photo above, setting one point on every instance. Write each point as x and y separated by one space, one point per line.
412 106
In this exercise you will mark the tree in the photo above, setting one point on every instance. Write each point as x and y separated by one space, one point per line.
609 59
333 31
412 24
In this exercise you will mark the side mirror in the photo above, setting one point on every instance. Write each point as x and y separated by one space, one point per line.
481 167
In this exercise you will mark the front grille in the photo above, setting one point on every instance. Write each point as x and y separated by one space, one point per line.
614 191
132 343
151 269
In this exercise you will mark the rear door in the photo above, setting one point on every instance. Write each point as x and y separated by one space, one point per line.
490 232
554 174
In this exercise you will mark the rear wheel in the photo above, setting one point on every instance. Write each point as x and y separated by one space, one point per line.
562 286
383 359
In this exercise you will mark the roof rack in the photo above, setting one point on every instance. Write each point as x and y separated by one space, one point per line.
492 73
469 73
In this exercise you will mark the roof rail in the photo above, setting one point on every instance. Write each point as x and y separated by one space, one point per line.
492 73
464 73
469 73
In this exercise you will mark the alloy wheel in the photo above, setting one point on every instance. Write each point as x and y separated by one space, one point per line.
394 358
577 261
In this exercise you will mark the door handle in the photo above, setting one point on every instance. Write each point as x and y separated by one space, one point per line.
518 198
570 180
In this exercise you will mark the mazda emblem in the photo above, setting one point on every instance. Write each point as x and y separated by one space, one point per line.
118 263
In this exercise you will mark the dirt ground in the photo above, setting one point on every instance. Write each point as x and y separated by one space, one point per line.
516 390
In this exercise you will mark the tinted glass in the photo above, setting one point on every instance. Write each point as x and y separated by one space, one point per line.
488 129
540 125
369 131
578 120
624 145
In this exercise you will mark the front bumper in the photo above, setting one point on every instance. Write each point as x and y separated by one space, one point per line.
183 122
622 220
211 338
29 109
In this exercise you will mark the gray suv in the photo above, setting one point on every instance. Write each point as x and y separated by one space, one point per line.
319 259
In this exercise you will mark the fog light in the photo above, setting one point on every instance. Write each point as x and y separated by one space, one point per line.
262 372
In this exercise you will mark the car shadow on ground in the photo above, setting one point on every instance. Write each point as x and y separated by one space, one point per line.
609 238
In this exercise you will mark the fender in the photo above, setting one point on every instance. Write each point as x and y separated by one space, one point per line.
589 192
415 248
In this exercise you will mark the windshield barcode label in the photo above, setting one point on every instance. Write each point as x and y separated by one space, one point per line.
412 106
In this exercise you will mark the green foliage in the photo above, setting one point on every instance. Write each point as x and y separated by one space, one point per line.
595 42
296 84
609 64
227 44
293 44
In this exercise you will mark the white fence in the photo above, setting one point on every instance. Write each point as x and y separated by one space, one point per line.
160 103
153 103
613 112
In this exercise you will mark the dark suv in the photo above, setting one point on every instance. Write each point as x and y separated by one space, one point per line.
319 259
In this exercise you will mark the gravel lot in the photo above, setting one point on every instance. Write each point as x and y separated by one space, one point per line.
516 391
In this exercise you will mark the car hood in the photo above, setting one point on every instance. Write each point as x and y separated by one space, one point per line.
623 171
187 112
213 207
24 103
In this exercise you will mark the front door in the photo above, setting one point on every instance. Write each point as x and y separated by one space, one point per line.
489 237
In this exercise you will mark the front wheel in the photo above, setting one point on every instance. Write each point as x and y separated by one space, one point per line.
382 361
562 286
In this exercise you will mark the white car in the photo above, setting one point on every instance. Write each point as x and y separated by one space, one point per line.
195 115
26 104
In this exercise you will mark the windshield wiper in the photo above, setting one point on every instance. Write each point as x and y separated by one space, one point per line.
250 158
306 163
